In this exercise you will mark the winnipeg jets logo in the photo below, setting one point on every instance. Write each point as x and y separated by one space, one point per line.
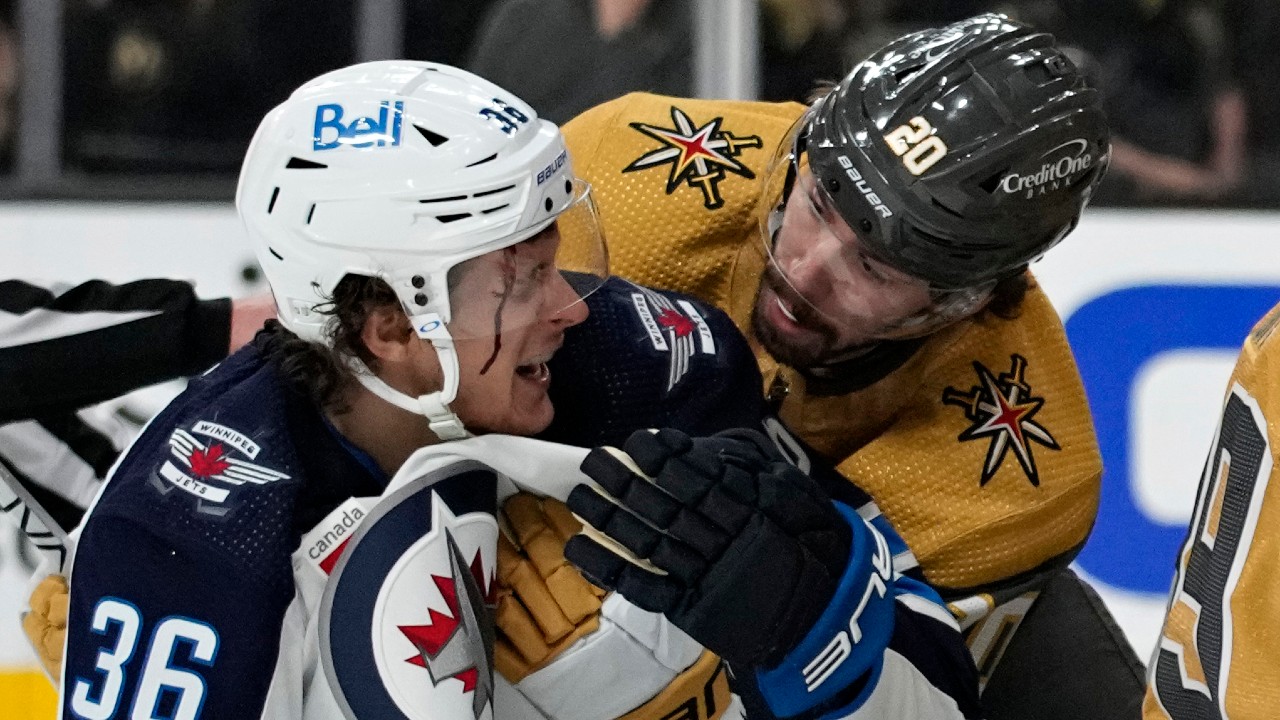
448 645
1001 409
406 626
699 156
677 328
206 469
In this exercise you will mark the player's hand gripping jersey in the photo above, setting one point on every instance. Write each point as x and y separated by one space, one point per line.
1219 654
245 561
976 441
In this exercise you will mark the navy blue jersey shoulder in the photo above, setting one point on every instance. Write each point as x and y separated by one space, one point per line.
187 552
651 358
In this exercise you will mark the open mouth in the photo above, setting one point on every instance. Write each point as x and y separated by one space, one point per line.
782 306
537 371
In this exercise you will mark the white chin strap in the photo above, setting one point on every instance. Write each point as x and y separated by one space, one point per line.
434 406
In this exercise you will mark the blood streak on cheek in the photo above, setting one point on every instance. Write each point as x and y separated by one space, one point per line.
508 282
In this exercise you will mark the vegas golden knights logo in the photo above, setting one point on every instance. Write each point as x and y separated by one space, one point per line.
1001 410
699 155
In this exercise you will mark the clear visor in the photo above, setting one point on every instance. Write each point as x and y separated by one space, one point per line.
822 274
539 282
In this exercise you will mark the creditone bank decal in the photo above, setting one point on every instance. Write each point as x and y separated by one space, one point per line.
1054 171
1114 336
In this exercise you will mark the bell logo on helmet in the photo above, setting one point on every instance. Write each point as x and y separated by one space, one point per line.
383 131
1053 173
872 198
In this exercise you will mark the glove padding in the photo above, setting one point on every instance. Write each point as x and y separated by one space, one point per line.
46 624
735 546
544 604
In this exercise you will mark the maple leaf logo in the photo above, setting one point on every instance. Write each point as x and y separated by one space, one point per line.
207 463
431 638
678 323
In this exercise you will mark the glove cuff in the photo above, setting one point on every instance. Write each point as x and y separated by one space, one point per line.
848 640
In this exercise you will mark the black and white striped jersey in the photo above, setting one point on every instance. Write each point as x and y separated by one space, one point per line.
65 349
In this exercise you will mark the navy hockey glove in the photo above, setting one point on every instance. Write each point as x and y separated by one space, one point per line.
738 548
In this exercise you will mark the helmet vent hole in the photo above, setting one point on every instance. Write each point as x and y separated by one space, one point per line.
495 209
443 199
905 74
272 205
435 138
297 163
482 161
548 204
494 191
990 184
453 217
1057 65
273 252
310 213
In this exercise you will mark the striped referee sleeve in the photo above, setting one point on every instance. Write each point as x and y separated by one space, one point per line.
64 349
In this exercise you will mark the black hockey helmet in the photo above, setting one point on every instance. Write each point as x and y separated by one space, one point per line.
959 154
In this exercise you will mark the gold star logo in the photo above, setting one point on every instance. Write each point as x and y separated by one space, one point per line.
1001 409
699 156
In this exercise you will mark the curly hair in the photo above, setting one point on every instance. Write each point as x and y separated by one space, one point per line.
1008 294
320 370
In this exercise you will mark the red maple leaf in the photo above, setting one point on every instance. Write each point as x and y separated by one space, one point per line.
678 323
207 463
431 637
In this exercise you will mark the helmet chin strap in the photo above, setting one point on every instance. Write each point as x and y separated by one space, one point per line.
435 405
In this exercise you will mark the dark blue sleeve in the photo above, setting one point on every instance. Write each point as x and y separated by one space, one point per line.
648 358
168 625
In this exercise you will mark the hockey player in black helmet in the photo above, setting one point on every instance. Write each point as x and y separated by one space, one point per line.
943 164
875 247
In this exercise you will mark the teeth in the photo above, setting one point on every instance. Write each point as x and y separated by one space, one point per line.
785 310
536 371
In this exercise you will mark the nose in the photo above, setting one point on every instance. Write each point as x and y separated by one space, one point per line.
568 307
809 263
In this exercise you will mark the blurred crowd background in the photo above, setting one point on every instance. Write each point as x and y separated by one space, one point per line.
157 99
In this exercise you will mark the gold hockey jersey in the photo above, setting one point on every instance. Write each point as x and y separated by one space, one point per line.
979 448
1219 653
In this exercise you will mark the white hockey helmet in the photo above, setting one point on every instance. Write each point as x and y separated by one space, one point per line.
401 170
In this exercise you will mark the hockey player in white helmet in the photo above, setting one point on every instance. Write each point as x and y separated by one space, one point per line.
412 220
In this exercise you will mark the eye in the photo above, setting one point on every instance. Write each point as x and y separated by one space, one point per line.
816 201
870 266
